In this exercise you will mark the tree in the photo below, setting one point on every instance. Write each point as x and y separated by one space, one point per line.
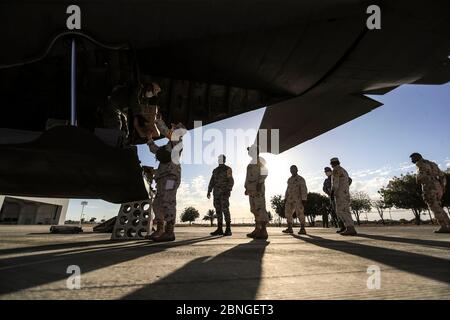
189 215
380 206
270 215
360 202
316 205
92 220
404 193
210 216
277 204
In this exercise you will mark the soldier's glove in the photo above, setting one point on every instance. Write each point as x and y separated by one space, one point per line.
246 193
208 195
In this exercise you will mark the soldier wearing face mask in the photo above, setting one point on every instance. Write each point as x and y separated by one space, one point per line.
221 184
168 179
146 110
255 190
141 102
295 200
340 183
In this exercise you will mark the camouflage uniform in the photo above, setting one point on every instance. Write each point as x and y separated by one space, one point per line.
327 189
115 114
340 184
296 193
433 183
254 185
167 178
221 184
125 100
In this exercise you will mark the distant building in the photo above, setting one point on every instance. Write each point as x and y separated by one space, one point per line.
24 210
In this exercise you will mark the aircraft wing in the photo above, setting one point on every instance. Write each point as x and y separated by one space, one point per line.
412 47
220 58
297 122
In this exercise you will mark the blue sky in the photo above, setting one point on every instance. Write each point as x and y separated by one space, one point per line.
373 148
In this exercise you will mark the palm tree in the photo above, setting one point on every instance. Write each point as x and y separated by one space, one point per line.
210 216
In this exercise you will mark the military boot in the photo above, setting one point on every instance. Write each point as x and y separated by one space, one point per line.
254 232
302 229
168 234
262 232
228 229
219 230
159 231
443 229
349 231
289 229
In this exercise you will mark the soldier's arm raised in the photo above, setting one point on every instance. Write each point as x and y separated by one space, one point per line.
152 146
163 128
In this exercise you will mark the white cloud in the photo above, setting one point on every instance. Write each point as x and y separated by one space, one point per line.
370 186
446 164
407 166
193 193
198 185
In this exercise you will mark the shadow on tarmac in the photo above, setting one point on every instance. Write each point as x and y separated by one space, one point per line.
421 242
233 274
415 263
18 273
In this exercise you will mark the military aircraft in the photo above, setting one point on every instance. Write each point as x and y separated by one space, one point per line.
311 63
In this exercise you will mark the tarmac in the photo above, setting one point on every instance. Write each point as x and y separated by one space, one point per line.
401 262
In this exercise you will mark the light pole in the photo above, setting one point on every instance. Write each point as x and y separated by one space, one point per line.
83 204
